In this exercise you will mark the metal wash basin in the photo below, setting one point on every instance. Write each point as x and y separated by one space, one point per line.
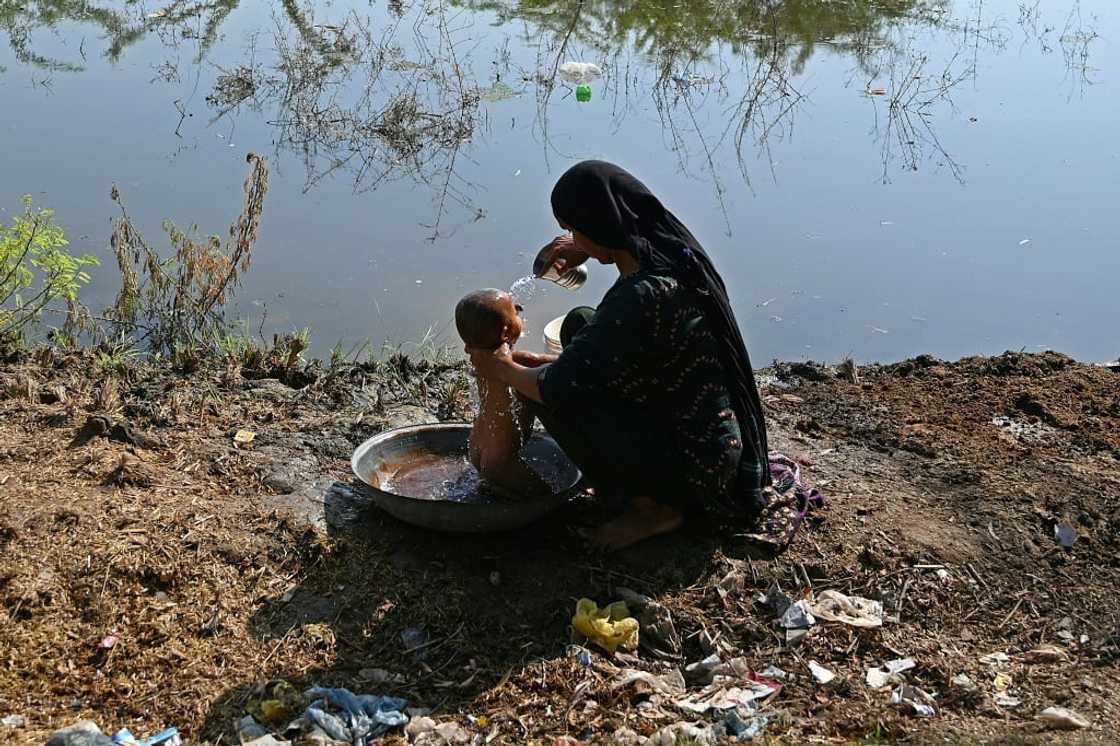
376 461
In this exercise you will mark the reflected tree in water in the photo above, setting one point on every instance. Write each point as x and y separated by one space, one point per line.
119 24
351 100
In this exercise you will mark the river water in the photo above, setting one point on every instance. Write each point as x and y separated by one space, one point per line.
876 179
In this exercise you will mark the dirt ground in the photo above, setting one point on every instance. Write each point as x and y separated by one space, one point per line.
162 574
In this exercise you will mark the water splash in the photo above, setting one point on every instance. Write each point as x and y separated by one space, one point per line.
523 289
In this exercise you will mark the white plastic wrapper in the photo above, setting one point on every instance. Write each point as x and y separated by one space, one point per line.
580 72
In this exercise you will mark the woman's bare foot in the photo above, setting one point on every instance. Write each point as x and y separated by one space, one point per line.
644 518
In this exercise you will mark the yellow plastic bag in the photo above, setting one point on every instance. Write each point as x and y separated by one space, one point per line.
610 627
284 704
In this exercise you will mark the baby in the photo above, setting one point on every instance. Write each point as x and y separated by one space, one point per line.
487 319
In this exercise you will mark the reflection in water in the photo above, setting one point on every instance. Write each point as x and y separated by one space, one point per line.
403 101
350 100
21 22
463 98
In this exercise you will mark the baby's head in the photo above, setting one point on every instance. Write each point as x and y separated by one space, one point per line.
488 318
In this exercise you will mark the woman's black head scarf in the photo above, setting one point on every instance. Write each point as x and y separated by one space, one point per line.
614 209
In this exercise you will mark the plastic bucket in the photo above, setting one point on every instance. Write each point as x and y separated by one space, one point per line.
552 335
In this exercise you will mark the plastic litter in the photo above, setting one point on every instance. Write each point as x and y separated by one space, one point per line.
833 606
281 703
914 700
581 654
266 740
744 730
81 733
109 641
773 672
658 635
879 677
1065 534
366 716
579 72
13 721
168 737
995 659
414 640
733 685
248 729
775 600
963 681
583 93
732 583
1062 719
798 616
820 673
1008 702
679 733
702 671
644 682
244 437
610 627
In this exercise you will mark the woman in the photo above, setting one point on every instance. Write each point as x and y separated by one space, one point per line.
653 396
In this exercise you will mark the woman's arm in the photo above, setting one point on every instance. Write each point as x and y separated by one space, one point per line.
500 365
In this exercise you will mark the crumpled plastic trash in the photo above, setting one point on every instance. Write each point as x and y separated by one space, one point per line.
1063 719
580 72
281 704
702 671
775 600
364 716
166 737
834 606
644 682
744 730
81 733
610 627
798 616
820 673
1065 534
995 659
733 685
915 700
679 733
658 635
879 677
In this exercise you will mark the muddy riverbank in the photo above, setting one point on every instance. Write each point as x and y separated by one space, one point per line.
158 572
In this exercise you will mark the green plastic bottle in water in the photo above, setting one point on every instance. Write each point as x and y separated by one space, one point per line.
583 93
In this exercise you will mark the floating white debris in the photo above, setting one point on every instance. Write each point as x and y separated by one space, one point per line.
580 72
1024 242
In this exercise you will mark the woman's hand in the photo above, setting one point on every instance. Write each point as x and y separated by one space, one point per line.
559 253
491 363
